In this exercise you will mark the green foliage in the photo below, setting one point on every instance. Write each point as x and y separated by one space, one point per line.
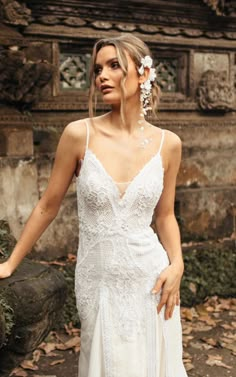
209 271
7 241
69 313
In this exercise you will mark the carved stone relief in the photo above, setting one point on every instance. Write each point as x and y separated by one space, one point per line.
204 61
15 13
215 92
222 7
21 79
167 74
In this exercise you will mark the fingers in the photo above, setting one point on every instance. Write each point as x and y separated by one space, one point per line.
177 302
158 285
170 306
169 301
163 301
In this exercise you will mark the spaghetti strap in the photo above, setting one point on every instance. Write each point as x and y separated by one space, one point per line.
162 140
87 133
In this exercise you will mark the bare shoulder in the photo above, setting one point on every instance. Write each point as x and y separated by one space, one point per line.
76 129
172 150
172 141
73 138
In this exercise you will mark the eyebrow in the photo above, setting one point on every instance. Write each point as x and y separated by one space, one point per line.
107 62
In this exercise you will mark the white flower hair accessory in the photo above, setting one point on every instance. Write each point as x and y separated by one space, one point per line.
146 86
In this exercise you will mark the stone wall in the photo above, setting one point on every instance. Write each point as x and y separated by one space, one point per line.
195 57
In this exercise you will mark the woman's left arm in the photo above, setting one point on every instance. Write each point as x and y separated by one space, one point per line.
168 230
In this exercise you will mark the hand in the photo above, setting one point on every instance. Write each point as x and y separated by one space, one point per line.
169 282
5 270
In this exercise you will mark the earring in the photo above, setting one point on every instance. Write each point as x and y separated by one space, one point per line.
146 86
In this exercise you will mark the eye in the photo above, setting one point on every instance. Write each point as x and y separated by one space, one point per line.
115 65
97 70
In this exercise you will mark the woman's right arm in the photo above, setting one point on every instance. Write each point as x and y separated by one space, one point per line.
69 151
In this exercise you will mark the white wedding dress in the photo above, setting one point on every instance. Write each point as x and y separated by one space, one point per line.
119 260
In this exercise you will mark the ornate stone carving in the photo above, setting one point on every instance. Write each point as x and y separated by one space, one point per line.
216 5
166 69
102 25
193 33
74 21
21 80
215 92
74 71
126 27
222 7
15 13
214 34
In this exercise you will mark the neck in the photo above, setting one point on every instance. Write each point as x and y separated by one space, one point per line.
131 118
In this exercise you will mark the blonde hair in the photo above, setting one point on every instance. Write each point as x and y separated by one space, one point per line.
137 50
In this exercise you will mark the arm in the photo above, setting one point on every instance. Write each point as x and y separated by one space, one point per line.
168 230
66 160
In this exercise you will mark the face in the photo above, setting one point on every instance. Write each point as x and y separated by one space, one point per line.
108 75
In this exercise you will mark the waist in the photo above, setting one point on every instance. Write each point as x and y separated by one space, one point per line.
133 234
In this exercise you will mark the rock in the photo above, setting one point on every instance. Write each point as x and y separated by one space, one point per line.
36 294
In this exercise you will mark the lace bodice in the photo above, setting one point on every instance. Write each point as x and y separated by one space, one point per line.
103 210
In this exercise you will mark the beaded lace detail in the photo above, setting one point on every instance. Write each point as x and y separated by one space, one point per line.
117 251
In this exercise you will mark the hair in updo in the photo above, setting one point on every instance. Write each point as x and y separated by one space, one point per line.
137 50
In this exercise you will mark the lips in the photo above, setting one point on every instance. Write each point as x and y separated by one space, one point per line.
106 88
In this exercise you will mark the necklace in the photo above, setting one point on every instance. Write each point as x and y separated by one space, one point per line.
144 141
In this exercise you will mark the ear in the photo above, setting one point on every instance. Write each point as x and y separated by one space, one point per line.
144 76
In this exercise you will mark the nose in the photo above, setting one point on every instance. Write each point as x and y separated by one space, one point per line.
103 75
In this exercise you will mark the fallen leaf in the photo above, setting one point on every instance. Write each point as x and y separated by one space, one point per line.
187 313
231 347
52 354
199 326
48 347
70 330
28 364
55 362
186 355
186 339
36 355
210 341
54 262
189 366
187 329
207 319
19 372
217 361
196 345
201 310
73 342
226 326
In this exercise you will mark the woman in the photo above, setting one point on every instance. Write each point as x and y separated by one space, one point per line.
126 280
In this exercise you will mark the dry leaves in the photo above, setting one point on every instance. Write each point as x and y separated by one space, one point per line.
19 372
197 325
203 319
29 364
217 361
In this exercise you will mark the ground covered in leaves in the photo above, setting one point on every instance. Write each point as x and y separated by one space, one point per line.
209 340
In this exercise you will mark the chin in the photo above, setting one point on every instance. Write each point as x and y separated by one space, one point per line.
111 101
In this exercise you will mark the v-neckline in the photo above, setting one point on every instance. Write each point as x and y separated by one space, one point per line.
122 197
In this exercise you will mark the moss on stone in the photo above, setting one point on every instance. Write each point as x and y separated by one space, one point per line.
8 317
